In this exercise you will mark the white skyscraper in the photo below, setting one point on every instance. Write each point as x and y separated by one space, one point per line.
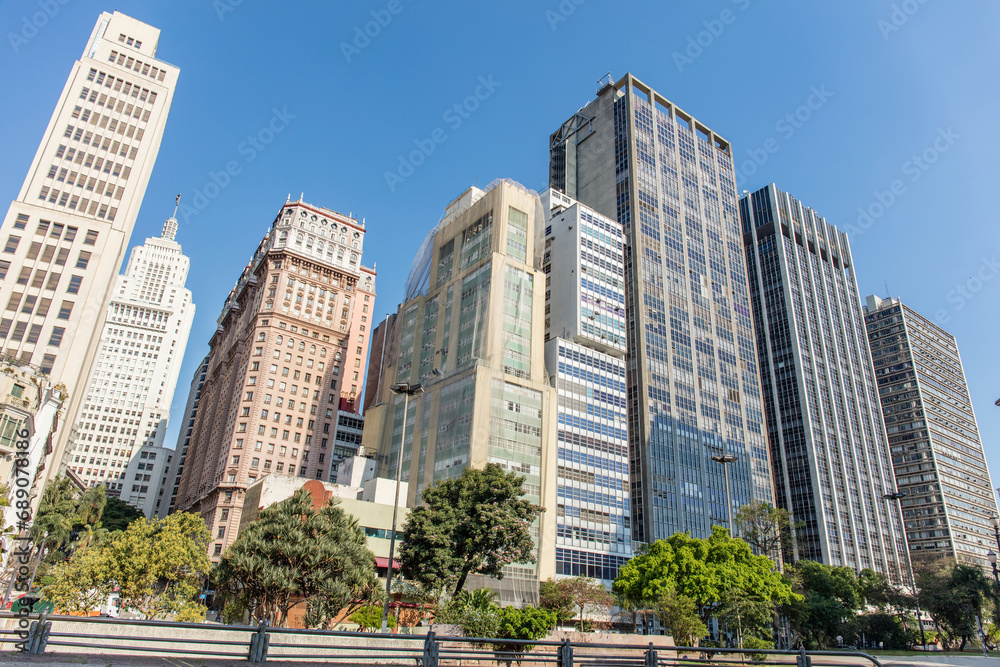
583 258
64 237
127 401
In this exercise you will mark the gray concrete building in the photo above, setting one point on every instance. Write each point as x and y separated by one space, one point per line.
828 444
176 468
934 441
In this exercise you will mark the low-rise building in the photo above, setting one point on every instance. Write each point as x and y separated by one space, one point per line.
29 417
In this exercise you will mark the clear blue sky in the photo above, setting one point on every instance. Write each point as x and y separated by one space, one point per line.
891 90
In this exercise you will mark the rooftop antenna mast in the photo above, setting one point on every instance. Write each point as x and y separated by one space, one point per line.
177 203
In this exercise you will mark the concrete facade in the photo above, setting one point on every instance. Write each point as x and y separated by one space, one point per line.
65 236
583 261
28 402
127 402
176 468
934 441
472 331
828 442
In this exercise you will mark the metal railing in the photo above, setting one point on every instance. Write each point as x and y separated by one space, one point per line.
56 635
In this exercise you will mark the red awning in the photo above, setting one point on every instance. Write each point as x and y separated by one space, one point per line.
384 562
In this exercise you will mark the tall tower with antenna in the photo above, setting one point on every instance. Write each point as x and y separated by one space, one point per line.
126 403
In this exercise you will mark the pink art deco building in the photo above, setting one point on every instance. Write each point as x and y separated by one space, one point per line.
288 357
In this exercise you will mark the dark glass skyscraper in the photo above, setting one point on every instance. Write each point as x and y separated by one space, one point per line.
693 388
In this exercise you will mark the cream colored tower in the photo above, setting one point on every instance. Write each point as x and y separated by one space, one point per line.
472 333
66 234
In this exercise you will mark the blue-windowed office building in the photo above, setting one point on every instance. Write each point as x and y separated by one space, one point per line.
691 376
583 260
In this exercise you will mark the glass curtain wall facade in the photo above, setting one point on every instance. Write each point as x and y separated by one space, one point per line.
583 261
828 442
472 335
933 436
693 389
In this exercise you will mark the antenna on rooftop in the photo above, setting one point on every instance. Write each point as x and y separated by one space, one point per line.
177 202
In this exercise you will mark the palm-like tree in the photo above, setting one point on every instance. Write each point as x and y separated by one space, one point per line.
89 535
633 611
293 551
90 506
53 523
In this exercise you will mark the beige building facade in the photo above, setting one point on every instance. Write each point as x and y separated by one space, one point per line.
471 332
65 236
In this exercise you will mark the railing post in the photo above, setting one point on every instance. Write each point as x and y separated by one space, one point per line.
803 660
431 651
564 657
652 656
38 636
259 642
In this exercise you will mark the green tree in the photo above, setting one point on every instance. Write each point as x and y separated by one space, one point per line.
53 524
293 551
678 614
83 583
87 535
570 598
765 528
702 570
155 565
118 514
555 597
474 611
370 618
474 524
828 596
90 506
158 565
954 595
747 614
521 624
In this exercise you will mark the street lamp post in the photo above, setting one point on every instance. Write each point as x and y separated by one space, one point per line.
726 459
407 390
898 497
993 561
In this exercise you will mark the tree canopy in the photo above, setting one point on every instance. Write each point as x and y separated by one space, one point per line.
765 528
570 598
293 552
703 570
954 595
156 566
473 524
118 514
